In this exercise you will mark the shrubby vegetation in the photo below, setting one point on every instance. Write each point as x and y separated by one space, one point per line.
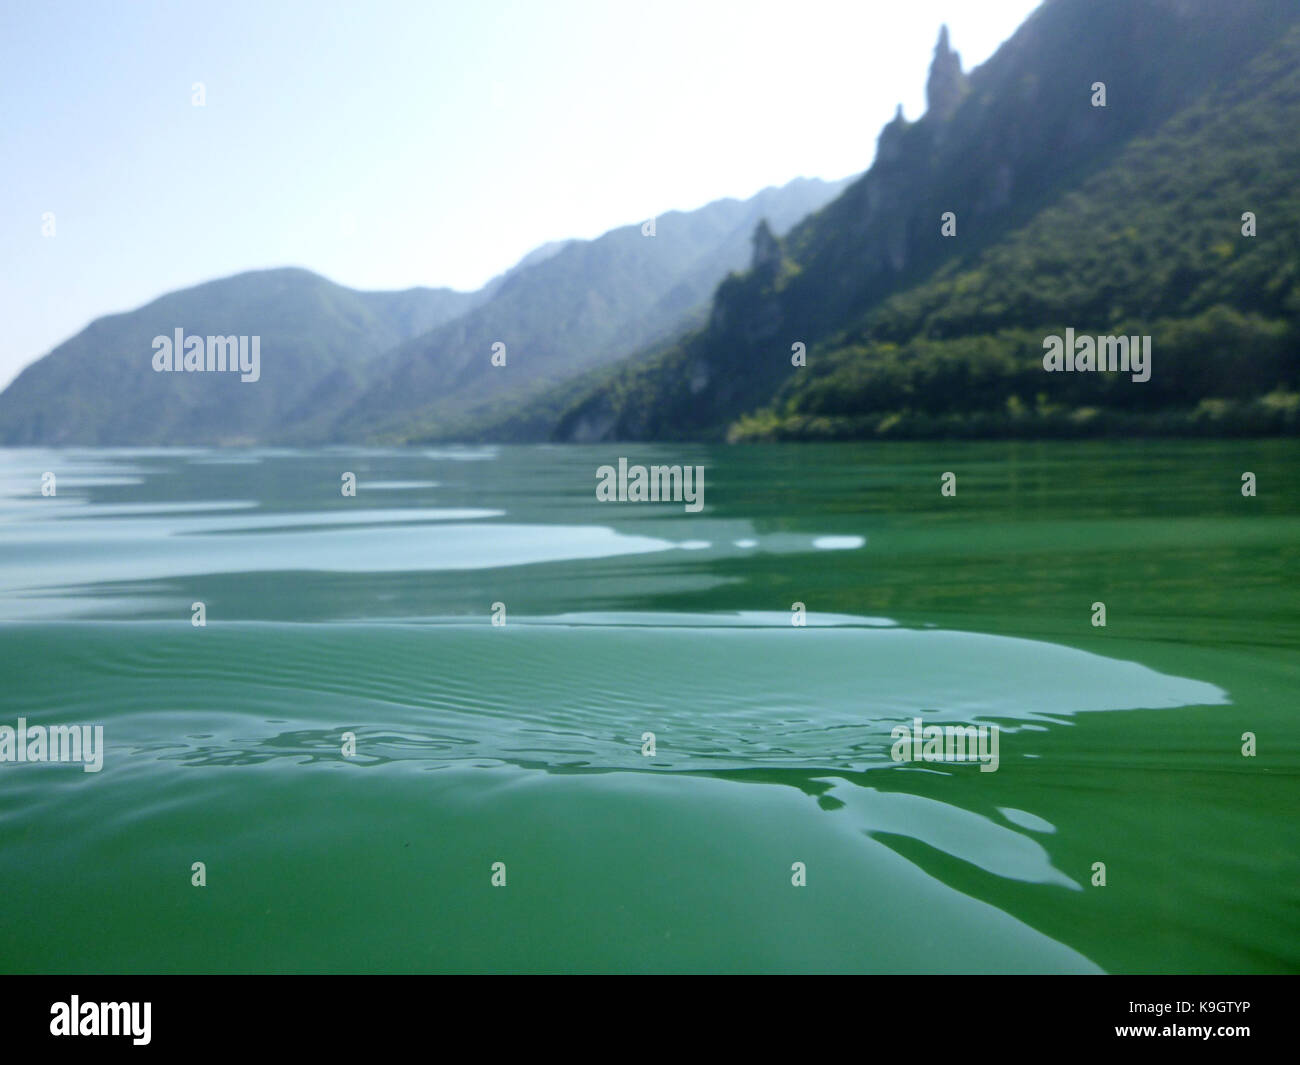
1152 245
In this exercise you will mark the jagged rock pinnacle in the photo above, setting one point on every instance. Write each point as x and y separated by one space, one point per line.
767 249
947 83
888 146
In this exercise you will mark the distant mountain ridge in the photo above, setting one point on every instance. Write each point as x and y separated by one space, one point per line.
343 365
317 337
582 307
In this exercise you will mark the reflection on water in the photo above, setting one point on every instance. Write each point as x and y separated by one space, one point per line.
820 598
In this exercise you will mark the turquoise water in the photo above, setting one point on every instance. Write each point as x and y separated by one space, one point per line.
522 743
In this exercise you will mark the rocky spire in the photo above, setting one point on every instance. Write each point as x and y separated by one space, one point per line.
946 84
767 249
889 144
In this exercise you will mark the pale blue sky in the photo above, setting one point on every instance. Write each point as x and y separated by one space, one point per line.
390 144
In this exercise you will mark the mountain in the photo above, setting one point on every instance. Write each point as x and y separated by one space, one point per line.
1116 219
338 364
562 313
316 340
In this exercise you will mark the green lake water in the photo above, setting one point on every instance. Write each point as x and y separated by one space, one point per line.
522 743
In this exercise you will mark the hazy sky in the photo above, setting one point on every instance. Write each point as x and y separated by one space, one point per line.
391 144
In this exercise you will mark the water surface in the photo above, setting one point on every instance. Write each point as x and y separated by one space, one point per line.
522 743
